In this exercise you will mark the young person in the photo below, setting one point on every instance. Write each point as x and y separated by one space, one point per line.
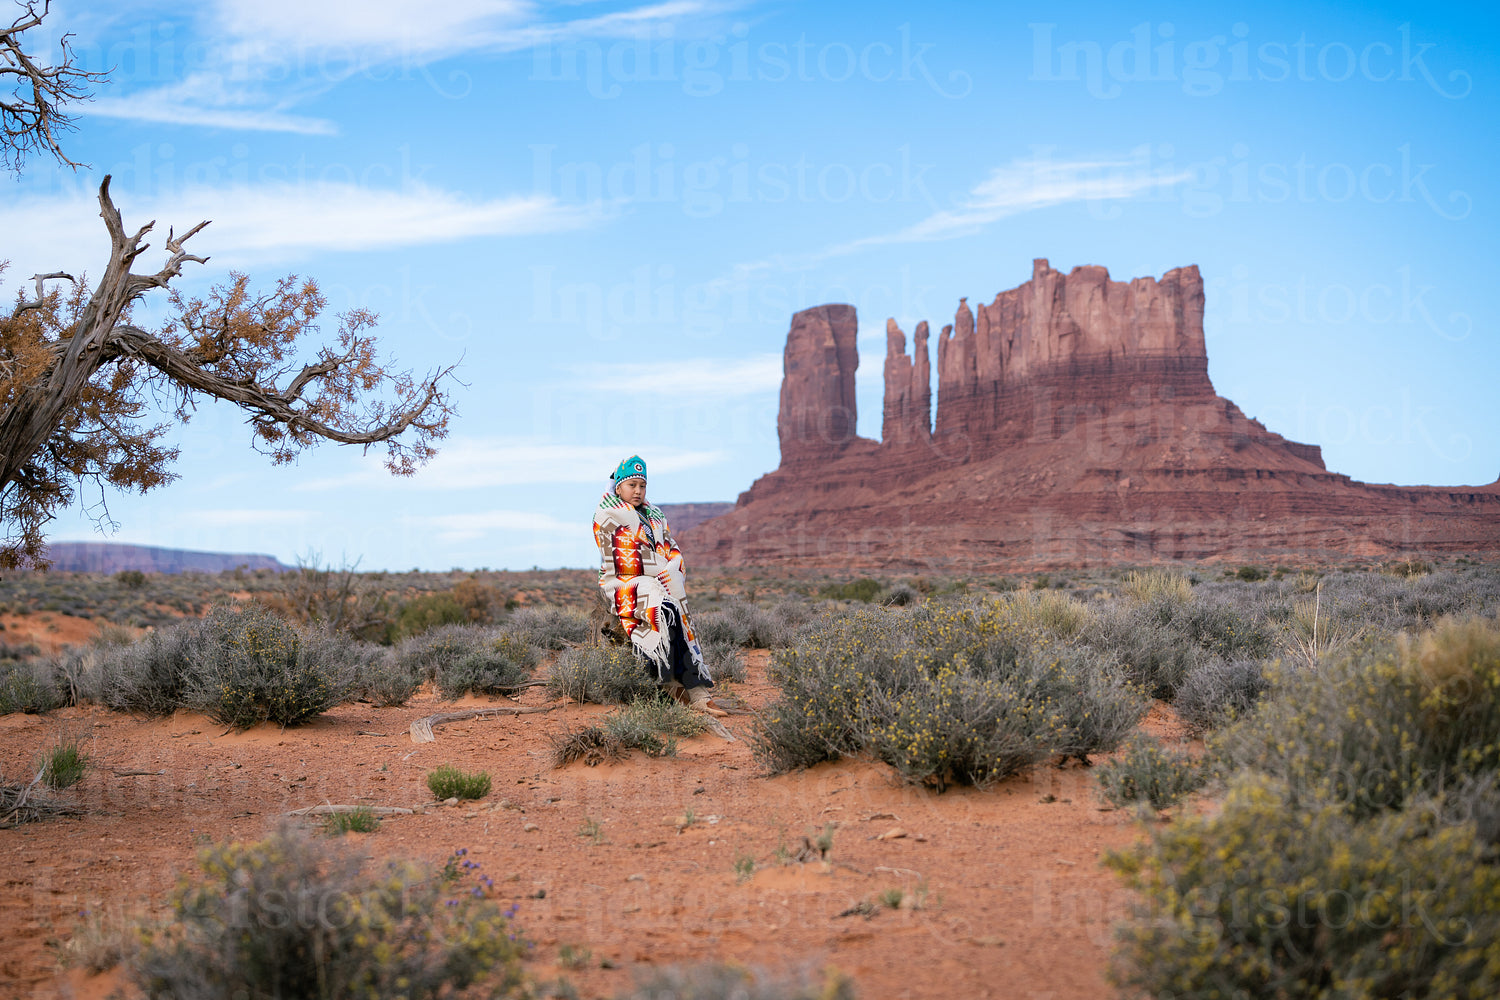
640 572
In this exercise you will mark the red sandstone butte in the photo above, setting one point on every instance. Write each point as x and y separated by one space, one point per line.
1076 425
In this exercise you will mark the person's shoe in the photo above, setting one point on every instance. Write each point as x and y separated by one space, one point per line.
699 700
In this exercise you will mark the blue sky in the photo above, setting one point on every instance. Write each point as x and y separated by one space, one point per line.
609 212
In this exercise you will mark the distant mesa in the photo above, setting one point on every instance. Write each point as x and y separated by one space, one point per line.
682 516
1075 425
113 557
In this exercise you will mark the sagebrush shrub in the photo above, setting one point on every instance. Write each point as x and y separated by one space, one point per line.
149 676
1276 896
657 715
388 682
548 627
604 675
492 666
291 917
255 667
823 690
982 716
722 659
1145 771
1377 602
899 595
1216 691
742 623
29 686
1161 641
951 693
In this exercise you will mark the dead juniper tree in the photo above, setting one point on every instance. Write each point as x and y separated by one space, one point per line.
32 114
77 376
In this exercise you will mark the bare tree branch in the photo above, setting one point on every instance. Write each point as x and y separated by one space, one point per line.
71 386
269 404
34 114
41 297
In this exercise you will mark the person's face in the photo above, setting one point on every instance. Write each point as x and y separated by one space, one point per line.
632 491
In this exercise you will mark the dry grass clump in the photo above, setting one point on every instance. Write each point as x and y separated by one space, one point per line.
593 745
1054 612
1317 629
651 724
448 782
64 765
1149 585
358 820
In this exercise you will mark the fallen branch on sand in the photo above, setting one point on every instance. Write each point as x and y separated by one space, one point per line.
25 804
327 809
421 729
719 729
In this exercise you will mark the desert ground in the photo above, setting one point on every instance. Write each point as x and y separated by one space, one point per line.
701 857
1003 894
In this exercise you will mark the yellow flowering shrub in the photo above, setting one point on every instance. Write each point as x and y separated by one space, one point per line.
1382 723
1357 853
1276 897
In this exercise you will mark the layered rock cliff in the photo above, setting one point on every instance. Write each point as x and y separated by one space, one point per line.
1075 424
818 411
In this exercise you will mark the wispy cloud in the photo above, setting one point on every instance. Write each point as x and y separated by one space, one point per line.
157 106
260 58
388 28
1025 184
281 222
691 379
469 526
491 463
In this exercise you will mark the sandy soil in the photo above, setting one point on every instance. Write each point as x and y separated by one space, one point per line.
1016 903
48 631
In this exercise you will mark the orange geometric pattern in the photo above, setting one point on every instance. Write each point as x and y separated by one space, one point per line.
627 558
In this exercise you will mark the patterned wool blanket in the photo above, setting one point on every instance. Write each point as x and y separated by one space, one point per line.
640 572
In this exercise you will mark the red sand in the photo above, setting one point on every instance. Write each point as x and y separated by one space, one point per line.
1016 901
